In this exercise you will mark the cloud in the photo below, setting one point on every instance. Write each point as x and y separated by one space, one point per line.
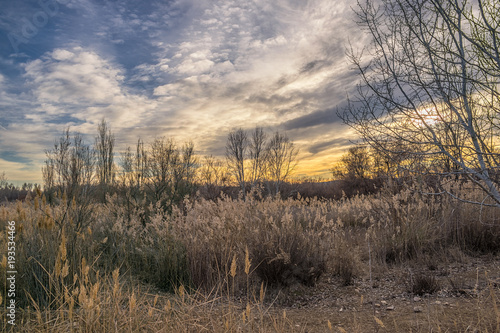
279 65
324 145
190 69
81 85
194 66
312 119
74 77
12 156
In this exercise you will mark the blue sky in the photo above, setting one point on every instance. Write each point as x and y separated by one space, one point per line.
186 69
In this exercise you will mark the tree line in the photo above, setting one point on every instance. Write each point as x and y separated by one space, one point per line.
11 192
362 161
163 171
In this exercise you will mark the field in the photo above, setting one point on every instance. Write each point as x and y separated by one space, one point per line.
392 261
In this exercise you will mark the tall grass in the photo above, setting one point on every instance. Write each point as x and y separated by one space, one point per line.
84 268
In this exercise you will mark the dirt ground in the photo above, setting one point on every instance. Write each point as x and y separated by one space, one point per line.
466 300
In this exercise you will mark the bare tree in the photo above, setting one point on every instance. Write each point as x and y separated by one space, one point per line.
3 180
431 84
257 150
140 163
185 171
56 171
281 158
104 144
82 163
48 173
213 172
70 169
236 150
70 165
162 158
355 164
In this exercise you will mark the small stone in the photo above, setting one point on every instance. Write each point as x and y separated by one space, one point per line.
418 309
383 302
416 299
437 302
390 308
377 305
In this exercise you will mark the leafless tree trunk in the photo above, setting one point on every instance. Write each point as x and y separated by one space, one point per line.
48 173
70 165
104 144
281 158
213 171
162 158
126 177
140 163
82 162
184 172
236 150
257 149
357 162
431 83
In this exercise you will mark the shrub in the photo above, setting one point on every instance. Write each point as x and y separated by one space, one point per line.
422 284
286 256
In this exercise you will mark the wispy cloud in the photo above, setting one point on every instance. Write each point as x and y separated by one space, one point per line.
191 69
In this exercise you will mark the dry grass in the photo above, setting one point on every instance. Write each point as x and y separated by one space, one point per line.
84 268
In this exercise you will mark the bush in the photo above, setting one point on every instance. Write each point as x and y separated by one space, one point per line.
422 284
288 256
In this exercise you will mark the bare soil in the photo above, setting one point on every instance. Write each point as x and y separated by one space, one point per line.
466 300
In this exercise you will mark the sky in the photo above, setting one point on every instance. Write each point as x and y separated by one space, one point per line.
184 69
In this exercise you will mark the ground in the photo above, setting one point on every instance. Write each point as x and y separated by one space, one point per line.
467 300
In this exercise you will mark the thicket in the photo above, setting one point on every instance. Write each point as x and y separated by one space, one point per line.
287 241
72 258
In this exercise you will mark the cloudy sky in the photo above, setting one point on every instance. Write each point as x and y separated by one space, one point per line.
187 69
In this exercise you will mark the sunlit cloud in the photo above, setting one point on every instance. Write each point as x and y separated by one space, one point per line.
191 70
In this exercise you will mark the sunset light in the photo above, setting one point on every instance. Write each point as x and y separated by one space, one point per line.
271 166
190 70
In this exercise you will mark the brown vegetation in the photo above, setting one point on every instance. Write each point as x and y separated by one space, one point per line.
222 265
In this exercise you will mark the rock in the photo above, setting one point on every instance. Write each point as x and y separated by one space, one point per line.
437 302
416 299
383 302
390 308
377 305
418 309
